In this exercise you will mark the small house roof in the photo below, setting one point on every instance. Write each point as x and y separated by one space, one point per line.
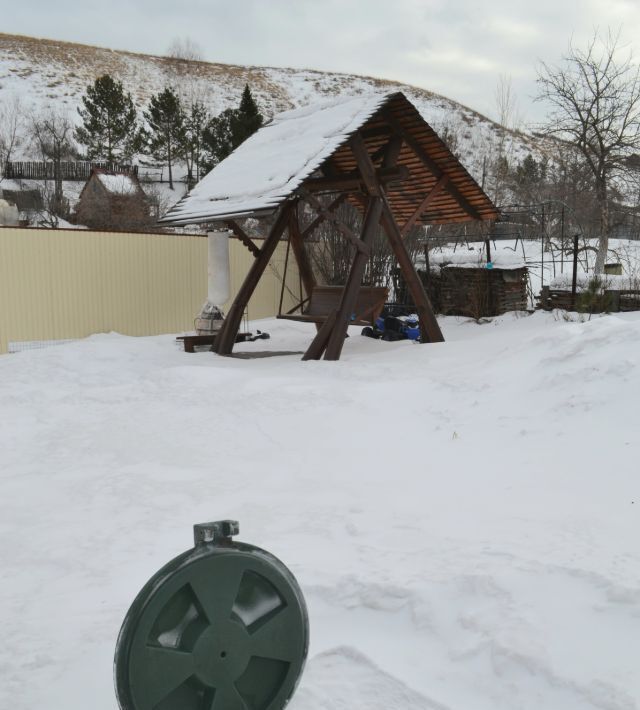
275 161
24 199
115 184
118 183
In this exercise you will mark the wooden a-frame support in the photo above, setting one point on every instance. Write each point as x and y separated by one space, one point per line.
223 344
331 335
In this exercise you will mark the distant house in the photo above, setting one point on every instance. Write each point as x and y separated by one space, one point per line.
29 204
24 200
113 200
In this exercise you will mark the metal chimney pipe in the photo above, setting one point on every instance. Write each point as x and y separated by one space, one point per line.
218 290
210 319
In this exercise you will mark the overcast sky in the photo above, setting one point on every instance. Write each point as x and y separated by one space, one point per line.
458 48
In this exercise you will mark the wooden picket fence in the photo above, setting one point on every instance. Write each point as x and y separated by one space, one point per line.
69 169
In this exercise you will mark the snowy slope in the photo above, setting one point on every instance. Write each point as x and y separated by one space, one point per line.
464 518
42 72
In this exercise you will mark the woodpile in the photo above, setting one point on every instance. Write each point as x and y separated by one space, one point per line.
477 292
609 301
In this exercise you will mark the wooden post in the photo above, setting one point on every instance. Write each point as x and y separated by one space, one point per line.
574 277
350 294
295 238
227 336
429 328
319 343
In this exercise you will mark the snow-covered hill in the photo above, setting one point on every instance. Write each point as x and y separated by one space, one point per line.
47 73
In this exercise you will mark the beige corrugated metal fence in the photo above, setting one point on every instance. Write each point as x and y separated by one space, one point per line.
65 284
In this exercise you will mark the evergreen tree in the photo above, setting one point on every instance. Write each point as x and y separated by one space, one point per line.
231 128
218 138
109 128
247 119
165 137
195 121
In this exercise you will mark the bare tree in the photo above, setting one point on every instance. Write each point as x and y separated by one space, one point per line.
51 133
332 253
595 106
506 103
11 130
185 48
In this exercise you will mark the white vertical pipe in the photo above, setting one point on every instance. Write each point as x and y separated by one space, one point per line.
219 273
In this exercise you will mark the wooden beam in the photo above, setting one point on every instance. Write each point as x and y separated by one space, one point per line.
353 181
365 166
346 231
433 167
429 329
388 152
376 132
227 335
319 343
392 151
428 199
243 237
336 338
297 244
321 218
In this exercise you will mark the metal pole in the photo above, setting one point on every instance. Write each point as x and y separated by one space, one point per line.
562 241
427 275
542 249
575 272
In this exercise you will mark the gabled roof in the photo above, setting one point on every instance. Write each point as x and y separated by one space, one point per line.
115 184
119 183
274 162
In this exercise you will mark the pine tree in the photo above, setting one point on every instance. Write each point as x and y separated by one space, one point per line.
231 128
165 137
109 128
218 138
247 119
195 121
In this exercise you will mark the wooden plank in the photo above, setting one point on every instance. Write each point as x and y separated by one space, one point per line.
226 337
353 181
417 148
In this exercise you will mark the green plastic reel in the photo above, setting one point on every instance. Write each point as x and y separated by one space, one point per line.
223 626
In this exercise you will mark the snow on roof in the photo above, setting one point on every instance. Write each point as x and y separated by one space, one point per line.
501 258
275 160
119 184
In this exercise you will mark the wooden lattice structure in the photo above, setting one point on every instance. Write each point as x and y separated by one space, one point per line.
377 153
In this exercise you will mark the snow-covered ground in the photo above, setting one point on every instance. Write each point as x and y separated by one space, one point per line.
463 518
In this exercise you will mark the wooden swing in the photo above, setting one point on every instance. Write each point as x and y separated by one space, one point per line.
322 301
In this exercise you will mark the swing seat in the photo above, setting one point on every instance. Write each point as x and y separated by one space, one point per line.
325 300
